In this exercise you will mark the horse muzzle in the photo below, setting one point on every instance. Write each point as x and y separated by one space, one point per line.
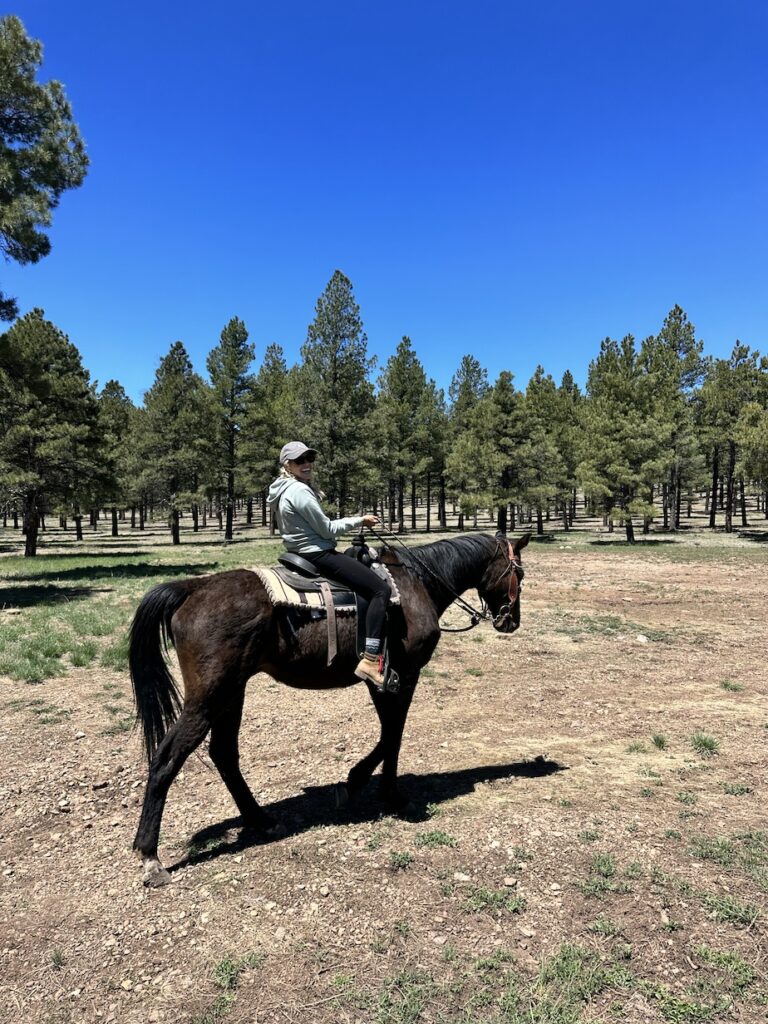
505 620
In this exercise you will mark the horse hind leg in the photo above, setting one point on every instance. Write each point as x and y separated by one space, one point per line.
182 738
225 754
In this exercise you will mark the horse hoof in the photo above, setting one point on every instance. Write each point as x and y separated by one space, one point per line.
342 796
155 875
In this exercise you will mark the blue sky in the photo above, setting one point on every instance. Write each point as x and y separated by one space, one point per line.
512 180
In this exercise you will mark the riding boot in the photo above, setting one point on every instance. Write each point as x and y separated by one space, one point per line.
371 669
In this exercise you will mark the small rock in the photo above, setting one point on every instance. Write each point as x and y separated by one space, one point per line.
459 876
280 932
641 638
127 984
510 882
324 890
555 887
79 735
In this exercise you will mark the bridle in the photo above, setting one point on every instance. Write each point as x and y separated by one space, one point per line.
504 617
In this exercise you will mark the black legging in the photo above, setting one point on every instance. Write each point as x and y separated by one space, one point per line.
361 579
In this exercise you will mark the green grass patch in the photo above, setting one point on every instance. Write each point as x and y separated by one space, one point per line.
730 910
434 838
730 686
704 745
399 860
481 898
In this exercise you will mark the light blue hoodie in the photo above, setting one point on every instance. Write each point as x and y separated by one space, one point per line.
304 526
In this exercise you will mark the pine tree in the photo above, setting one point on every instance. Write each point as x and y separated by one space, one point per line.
49 440
174 443
270 417
41 152
231 384
115 414
673 360
622 441
729 386
542 469
336 396
402 423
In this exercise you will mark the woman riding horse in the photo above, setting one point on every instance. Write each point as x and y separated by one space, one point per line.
226 630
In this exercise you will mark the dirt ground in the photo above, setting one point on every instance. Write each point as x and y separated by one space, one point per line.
571 851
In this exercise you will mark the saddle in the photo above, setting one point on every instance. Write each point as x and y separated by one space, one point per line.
297 586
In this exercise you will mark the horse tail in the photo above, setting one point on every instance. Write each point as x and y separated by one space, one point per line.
157 697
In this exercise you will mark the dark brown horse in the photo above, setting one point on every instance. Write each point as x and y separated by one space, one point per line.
225 630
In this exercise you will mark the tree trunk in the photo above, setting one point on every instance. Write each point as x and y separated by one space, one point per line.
195 517
230 504
665 505
413 503
713 492
729 487
441 516
78 526
114 521
264 507
743 502
501 519
539 521
678 498
249 511
566 525
630 530
460 523
142 514
175 538
31 525
429 502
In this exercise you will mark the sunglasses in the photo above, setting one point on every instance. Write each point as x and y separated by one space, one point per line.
309 457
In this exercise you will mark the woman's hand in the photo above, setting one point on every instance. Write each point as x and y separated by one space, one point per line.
371 520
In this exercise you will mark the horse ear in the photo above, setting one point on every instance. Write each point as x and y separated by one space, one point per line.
521 543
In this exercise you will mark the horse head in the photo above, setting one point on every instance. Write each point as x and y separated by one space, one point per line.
502 582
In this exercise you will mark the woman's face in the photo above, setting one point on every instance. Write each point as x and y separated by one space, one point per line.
301 468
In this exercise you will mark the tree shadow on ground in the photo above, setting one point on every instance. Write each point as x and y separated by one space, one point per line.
318 806
28 597
757 537
129 570
641 542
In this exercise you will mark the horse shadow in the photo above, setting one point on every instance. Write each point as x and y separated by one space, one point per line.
317 806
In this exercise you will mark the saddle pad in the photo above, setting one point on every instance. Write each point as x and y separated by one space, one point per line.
281 593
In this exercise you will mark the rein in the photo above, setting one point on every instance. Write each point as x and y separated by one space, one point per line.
476 615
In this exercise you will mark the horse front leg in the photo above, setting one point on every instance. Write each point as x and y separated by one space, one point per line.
392 709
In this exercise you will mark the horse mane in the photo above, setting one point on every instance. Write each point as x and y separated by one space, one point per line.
454 560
